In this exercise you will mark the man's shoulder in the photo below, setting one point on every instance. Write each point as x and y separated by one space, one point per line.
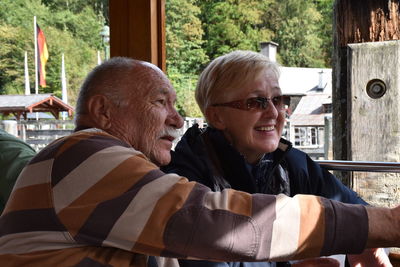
92 138
81 144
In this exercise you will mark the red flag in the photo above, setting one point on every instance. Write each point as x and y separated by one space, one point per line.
43 55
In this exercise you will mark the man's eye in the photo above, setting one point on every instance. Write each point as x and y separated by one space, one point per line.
161 101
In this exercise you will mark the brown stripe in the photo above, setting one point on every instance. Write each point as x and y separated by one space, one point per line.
196 195
264 214
78 137
114 184
29 220
86 262
79 152
239 202
29 197
49 152
102 219
347 220
312 226
198 229
165 208
73 256
72 140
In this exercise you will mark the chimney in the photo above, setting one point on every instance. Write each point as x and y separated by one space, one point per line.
269 49
321 81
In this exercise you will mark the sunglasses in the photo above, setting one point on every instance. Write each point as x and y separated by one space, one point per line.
257 103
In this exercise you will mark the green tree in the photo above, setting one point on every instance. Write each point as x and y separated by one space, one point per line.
185 55
185 86
184 36
100 7
12 51
233 24
73 31
297 31
325 8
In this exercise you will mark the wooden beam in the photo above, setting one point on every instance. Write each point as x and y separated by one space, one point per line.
367 21
137 30
355 22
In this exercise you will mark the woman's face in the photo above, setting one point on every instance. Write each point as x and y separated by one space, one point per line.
256 131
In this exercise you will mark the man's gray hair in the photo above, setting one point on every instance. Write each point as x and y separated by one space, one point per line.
228 72
105 79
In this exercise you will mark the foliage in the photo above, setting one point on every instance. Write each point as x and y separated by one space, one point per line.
185 85
296 24
184 37
302 29
185 54
325 7
197 31
12 59
72 31
231 25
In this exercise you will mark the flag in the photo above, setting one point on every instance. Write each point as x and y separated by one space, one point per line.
42 55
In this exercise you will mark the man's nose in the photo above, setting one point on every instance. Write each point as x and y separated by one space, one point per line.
174 119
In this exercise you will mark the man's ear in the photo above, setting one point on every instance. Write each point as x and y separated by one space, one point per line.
99 107
214 118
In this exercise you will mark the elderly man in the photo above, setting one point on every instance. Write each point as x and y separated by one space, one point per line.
97 197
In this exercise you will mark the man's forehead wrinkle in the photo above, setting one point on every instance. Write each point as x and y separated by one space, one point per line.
143 78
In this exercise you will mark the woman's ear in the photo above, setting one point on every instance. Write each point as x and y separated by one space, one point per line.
214 118
99 108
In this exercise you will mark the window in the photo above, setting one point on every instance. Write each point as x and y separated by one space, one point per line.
327 108
308 136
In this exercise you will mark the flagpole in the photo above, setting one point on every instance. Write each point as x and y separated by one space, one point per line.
98 58
27 85
36 56
63 84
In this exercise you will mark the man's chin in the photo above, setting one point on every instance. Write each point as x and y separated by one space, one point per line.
161 159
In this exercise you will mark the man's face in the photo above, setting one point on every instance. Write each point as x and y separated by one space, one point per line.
149 121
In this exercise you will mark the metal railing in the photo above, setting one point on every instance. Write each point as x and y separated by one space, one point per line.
360 166
365 166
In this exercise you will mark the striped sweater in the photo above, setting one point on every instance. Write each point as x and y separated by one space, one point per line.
90 199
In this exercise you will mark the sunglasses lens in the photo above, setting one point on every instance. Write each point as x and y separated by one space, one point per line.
278 101
256 103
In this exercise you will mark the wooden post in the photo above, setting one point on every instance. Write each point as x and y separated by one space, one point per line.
137 30
373 116
355 22
367 128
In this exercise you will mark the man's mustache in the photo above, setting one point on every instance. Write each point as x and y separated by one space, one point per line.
170 131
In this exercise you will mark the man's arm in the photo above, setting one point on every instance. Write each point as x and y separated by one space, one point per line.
105 194
154 213
384 227
329 186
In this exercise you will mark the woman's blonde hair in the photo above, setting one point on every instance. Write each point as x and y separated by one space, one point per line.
227 72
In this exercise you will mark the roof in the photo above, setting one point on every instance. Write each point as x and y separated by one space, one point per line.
302 81
23 104
310 110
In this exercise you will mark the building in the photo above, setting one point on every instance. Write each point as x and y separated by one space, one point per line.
309 115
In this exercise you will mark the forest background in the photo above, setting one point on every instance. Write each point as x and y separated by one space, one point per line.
197 31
